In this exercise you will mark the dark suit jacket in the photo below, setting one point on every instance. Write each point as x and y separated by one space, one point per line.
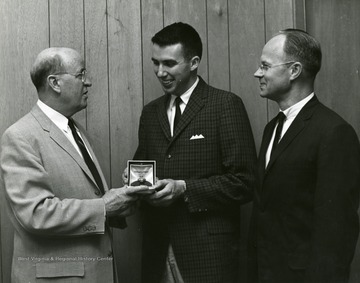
305 222
219 174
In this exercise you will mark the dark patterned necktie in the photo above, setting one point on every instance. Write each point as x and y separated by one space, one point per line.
280 117
88 160
177 112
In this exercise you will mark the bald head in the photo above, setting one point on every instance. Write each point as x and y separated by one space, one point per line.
51 61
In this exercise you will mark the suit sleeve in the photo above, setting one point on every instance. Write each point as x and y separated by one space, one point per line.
224 192
28 189
336 223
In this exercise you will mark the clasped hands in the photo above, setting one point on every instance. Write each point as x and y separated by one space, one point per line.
123 201
162 194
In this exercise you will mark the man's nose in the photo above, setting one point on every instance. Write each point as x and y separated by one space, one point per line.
88 82
161 71
259 73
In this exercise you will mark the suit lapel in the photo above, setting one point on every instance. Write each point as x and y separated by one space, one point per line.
60 139
295 128
196 102
162 116
264 146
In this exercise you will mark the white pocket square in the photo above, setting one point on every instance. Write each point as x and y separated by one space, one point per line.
197 137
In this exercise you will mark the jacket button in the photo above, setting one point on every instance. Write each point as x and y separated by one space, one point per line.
97 193
169 156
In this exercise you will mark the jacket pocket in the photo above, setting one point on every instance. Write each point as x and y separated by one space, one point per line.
60 269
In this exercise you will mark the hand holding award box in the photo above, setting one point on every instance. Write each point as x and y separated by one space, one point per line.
141 173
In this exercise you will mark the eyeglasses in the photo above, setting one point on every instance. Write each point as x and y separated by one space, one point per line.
264 68
82 74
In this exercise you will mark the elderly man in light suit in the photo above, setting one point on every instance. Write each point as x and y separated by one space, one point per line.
56 194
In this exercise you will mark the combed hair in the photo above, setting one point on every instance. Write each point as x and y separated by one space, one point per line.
181 33
44 67
302 47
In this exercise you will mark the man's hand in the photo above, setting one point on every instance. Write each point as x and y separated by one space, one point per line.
167 191
121 201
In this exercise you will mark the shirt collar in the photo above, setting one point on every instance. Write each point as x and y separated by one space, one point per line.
57 118
185 96
292 111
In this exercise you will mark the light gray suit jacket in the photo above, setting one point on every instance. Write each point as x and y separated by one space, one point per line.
54 204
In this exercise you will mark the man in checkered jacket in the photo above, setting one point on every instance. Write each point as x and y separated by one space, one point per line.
205 165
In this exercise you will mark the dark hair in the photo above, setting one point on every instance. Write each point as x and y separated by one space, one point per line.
43 67
181 33
302 47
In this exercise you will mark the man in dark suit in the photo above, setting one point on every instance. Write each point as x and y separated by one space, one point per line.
205 165
305 223
56 193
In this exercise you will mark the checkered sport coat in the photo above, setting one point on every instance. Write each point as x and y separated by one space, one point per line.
218 168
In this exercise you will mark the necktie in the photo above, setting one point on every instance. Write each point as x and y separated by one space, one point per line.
280 117
88 160
177 111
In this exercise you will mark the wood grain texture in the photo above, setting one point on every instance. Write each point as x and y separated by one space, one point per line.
336 25
246 28
23 33
218 43
152 22
125 104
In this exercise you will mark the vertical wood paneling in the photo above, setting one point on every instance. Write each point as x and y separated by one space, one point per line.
336 25
125 89
299 14
152 22
98 118
246 26
23 33
67 30
194 13
218 44
115 38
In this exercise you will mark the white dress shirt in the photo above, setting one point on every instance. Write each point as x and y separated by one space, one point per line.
172 105
290 114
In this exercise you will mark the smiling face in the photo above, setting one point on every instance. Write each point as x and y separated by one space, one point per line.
175 73
274 81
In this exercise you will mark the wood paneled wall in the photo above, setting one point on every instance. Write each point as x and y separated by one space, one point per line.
114 38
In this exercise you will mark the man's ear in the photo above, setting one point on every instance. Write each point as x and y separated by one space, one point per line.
194 63
296 70
53 83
